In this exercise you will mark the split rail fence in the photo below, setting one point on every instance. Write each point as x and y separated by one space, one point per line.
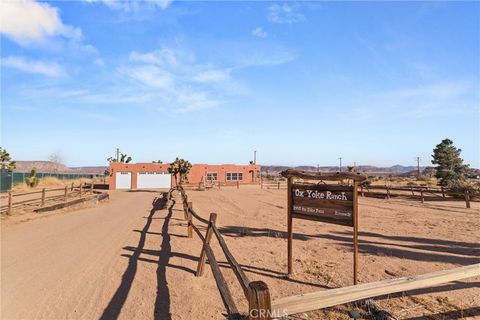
421 193
40 197
386 192
257 293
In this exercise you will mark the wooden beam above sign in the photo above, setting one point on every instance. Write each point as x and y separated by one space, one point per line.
312 175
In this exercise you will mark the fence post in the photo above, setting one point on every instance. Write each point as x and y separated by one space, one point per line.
189 218
421 195
81 189
218 184
43 197
238 184
208 236
361 189
72 187
443 192
259 301
66 193
185 207
388 193
91 187
278 185
467 199
10 203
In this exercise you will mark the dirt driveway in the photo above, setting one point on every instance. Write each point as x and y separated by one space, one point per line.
102 263
129 258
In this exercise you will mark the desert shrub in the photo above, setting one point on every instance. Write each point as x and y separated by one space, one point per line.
32 180
366 183
411 184
461 186
423 178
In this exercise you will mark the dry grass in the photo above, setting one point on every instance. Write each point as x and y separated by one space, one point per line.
401 182
52 182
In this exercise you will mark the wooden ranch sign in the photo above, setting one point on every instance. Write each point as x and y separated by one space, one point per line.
325 203
329 203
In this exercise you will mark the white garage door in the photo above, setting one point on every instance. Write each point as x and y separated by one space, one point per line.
153 180
123 180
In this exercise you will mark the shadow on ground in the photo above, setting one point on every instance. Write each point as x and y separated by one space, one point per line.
162 301
405 247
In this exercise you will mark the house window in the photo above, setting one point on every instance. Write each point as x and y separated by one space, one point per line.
234 176
211 176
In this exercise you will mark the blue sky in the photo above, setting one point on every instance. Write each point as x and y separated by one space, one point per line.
302 82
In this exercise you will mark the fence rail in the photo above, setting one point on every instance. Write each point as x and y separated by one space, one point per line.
328 298
68 191
254 292
421 193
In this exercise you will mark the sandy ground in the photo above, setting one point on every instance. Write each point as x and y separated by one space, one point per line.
129 258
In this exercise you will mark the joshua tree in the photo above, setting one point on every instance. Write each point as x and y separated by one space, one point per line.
32 180
6 161
180 169
124 158
158 161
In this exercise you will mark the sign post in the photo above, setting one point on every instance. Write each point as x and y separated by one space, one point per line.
329 203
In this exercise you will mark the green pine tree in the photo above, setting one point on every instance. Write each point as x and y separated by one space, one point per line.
450 167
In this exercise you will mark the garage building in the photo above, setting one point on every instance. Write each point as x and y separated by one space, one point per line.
156 176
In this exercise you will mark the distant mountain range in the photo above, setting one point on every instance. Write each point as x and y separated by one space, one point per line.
396 169
52 167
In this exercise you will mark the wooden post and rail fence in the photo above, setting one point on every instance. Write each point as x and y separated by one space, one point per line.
42 198
387 192
262 307
421 193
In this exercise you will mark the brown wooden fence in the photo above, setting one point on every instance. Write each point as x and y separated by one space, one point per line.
266 184
386 192
261 306
19 200
256 292
421 193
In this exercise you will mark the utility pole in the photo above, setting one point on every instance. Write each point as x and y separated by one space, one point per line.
418 167
318 167
340 163
118 155
255 157
354 166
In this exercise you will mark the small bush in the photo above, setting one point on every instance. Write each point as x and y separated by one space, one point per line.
423 178
366 183
461 186
32 181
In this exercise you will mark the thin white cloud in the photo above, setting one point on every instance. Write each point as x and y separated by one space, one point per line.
259 32
177 80
429 100
27 21
49 69
284 14
133 5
